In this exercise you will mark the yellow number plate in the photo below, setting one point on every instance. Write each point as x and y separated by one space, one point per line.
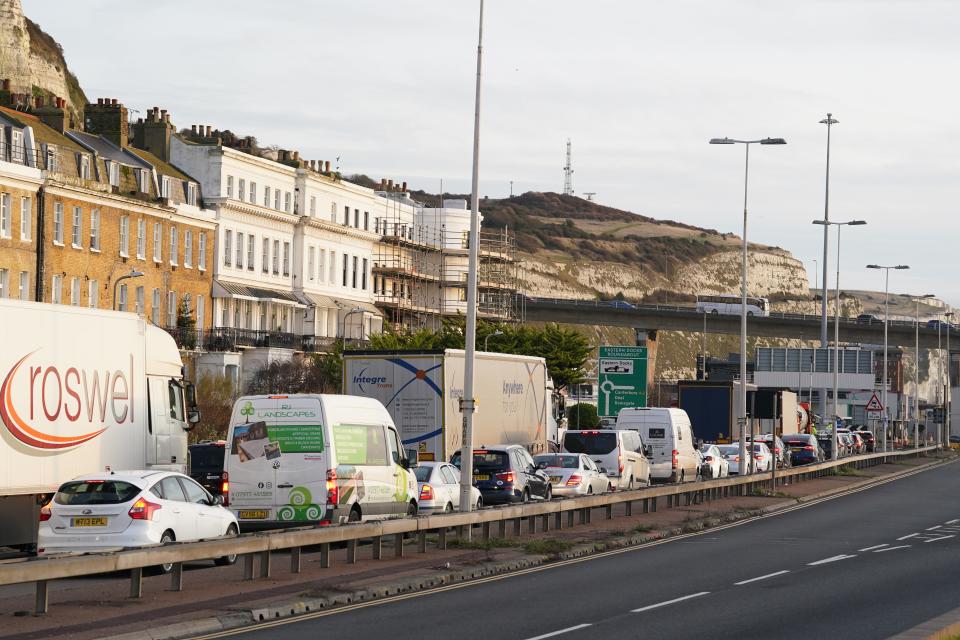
88 522
253 514
481 476
554 479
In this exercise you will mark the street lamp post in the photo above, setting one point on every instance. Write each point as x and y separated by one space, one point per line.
743 283
816 276
829 121
886 323
836 330
490 335
132 274
343 324
916 369
949 398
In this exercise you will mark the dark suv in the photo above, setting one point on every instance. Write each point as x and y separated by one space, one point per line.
507 473
206 464
804 448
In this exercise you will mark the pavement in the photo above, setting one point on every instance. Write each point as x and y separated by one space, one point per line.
215 598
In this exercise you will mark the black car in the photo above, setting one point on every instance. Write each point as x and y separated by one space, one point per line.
825 440
507 473
869 439
804 448
866 318
206 465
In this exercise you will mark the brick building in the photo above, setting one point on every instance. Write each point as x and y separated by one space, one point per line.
99 210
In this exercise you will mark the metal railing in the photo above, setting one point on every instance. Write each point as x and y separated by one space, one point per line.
559 512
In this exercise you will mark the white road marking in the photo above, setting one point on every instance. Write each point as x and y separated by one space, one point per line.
933 527
951 522
875 547
663 604
557 633
769 575
903 546
940 538
831 559
909 536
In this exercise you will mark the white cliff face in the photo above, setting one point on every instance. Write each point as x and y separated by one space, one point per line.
23 66
768 272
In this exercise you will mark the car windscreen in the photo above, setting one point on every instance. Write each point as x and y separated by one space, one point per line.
96 492
206 458
592 443
423 473
559 462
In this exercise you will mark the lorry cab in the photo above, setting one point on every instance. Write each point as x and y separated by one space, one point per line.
668 434
298 459
171 402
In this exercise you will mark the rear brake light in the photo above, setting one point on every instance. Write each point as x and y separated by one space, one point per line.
708 459
506 477
620 462
476 451
758 457
277 397
333 491
426 492
45 512
676 461
225 488
808 448
143 510
573 481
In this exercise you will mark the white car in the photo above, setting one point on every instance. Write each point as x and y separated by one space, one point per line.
731 453
573 474
110 510
439 486
714 465
762 457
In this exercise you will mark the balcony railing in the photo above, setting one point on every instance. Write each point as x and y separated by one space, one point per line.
230 339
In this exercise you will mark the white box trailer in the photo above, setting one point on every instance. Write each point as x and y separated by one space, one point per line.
82 390
422 392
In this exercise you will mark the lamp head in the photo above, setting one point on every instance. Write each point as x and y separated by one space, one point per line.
902 266
822 222
875 266
857 223
773 141
721 141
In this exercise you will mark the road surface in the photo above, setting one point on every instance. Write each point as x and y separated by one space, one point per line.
865 565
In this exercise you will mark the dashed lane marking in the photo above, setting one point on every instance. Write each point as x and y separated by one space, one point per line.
909 536
952 521
830 559
674 601
875 547
940 538
758 578
561 631
902 546
933 527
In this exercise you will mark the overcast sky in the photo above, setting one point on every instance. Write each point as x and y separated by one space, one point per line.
639 87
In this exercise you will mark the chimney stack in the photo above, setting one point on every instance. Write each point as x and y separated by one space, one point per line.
53 114
108 118
209 131
404 188
154 134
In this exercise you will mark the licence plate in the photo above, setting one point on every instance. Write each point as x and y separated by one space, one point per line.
554 479
481 476
88 522
253 514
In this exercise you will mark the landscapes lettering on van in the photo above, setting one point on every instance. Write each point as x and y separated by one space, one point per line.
77 394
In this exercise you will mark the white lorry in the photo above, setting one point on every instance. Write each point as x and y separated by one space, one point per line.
82 390
516 402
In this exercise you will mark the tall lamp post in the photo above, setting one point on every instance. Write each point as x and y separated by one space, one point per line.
490 335
836 329
343 325
949 398
743 285
829 121
132 274
886 323
916 369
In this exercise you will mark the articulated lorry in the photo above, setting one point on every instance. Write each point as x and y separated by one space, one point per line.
82 390
516 402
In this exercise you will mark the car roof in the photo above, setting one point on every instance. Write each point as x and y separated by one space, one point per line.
127 476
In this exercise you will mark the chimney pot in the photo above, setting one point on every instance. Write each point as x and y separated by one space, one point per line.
113 101
6 84
404 189
139 120
296 155
193 129
38 101
166 118
208 130
327 166
99 100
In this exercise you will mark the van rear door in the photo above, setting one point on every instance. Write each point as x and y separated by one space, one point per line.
298 454
252 475
659 437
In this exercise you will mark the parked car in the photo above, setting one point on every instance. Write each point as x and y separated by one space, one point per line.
779 450
439 484
859 444
804 448
574 474
933 324
619 304
506 473
731 453
668 433
206 464
132 509
866 318
714 464
620 452
762 456
849 446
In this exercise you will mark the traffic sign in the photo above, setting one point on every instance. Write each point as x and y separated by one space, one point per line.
622 379
874 404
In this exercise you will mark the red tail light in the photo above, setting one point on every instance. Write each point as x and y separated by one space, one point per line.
45 512
333 491
776 450
573 481
143 510
620 462
676 461
506 477
808 448
225 488
426 492
708 459
758 457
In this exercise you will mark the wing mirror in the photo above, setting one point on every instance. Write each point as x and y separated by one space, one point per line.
412 460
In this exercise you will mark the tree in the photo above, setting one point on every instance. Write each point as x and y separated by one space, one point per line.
582 416
186 325
565 351
315 374
215 396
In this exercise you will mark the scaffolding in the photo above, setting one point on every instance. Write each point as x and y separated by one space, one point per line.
420 272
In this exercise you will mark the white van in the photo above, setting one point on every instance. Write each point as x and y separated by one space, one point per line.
302 459
668 433
620 453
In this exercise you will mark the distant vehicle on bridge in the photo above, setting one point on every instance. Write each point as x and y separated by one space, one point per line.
732 305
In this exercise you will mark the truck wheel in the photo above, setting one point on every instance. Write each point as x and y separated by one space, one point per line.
630 485
355 515
226 561
412 509
525 498
448 508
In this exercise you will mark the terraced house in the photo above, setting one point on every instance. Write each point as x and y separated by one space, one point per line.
99 210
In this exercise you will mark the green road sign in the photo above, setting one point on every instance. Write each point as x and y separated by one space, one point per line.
622 379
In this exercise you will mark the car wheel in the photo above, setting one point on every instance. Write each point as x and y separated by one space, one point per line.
631 485
682 476
649 481
525 496
609 488
714 312
355 515
226 561
161 569
412 509
589 491
549 494
479 503
448 508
